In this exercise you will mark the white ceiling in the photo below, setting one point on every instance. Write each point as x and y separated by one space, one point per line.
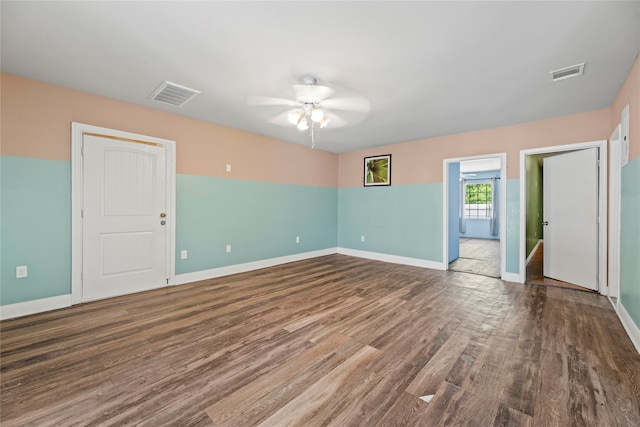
427 68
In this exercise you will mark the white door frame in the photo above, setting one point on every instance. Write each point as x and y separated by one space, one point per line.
602 204
503 206
614 216
77 179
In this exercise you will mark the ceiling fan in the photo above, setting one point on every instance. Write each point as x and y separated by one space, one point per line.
312 105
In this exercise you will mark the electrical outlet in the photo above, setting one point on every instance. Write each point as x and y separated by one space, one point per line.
183 254
362 238
228 167
21 271
297 239
228 248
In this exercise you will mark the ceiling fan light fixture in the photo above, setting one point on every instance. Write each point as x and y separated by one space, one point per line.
294 117
317 115
312 107
303 125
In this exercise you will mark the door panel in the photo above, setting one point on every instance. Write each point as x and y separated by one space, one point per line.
124 238
571 217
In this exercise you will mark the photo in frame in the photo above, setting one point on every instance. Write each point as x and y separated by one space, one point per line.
377 171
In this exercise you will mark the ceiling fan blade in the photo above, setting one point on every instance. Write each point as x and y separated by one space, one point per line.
312 93
267 101
352 103
335 121
281 119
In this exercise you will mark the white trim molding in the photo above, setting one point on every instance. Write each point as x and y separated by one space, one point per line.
632 329
395 259
20 309
511 277
228 270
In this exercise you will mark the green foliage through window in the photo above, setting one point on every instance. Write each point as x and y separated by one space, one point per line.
477 201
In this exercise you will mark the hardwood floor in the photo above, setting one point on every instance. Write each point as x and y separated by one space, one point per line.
335 340
478 256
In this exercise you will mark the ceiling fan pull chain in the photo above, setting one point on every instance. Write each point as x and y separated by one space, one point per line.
313 141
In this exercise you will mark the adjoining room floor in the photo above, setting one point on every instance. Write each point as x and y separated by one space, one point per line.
478 256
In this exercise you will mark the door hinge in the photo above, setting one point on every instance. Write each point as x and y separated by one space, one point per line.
81 213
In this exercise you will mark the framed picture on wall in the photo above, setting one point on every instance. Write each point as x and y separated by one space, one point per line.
377 171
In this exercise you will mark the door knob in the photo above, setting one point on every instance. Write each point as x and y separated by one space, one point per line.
545 223
163 214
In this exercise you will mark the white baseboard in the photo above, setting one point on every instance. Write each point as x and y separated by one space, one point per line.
20 309
197 276
512 277
416 262
632 329
533 251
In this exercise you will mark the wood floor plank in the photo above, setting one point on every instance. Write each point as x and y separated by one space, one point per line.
406 412
431 376
445 405
509 417
298 411
334 340
233 407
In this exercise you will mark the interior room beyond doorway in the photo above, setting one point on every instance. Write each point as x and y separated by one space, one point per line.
478 256
474 216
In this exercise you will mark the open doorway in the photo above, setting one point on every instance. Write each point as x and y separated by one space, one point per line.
537 222
549 256
474 215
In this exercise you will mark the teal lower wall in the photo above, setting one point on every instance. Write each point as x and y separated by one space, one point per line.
259 220
35 228
630 239
406 220
402 220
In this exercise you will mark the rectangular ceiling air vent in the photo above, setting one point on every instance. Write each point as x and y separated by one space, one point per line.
174 94
567 72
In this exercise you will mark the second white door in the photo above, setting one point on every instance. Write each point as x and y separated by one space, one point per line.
570 198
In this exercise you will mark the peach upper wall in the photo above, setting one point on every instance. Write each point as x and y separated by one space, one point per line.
419 162
629 93
36 122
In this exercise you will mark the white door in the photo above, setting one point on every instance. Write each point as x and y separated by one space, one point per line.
124 237
570 197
